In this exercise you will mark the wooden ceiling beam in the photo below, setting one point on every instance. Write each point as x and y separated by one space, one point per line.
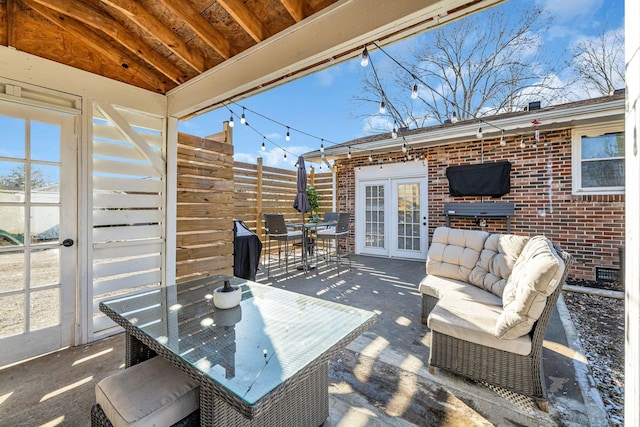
12 12
100 21
95 42
215 39
246 19
155 28
295 8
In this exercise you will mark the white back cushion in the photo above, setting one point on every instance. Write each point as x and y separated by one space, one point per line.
454 252
536 274
496 262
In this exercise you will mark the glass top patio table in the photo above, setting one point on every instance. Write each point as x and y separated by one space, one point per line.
250 349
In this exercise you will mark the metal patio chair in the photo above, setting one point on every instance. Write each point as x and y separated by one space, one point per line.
277 230
341 231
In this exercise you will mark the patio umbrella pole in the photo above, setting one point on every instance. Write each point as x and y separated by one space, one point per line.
301 204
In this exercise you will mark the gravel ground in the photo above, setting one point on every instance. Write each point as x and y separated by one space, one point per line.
599 323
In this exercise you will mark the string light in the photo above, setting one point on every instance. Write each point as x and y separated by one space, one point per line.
414 90
322 146
243 119
288 137
404 147
231 120
479 134
263 146
285 155
370 157
522 144
364 61
503 141
383 107
454 117
394 132
534 145
349 154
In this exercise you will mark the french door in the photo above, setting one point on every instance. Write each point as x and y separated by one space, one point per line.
38 223
391 217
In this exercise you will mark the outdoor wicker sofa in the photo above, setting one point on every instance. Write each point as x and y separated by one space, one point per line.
487 299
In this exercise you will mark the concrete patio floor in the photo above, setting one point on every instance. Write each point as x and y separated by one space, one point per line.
380 379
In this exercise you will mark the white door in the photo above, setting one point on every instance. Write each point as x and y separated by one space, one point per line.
391 213
38 209
408 218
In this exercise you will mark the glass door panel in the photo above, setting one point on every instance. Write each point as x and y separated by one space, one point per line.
409 220
37 278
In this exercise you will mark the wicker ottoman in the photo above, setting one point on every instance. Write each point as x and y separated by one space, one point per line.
150 393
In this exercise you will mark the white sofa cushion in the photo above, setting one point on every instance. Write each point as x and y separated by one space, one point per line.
471 315
151 393
496 262
454 252
536 274
437 286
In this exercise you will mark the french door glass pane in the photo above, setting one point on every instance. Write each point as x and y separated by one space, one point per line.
12 270
45 184
11 315
45 267
408 216
13 130
45 222
374 216
45 142
45 308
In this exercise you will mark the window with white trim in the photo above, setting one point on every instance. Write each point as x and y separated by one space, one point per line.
598 160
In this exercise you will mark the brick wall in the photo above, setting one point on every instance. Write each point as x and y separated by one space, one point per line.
590 227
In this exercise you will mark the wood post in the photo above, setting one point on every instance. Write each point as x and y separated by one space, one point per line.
259 199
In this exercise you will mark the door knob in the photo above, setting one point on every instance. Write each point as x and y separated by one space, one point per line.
67 243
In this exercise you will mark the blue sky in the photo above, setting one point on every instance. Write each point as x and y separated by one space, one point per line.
322 104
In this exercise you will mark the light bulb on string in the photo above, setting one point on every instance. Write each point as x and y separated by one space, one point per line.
503 141
370 158
285 155
454 117
522 144
243 119
404 147
288 137
383 107
322 147
394 132
349 153
231 120
479 134
534 145
414 91
364 60
263 146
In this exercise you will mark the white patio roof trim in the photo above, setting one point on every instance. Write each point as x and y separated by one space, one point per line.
552 118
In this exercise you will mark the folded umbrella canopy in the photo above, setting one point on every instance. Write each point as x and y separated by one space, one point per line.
301 202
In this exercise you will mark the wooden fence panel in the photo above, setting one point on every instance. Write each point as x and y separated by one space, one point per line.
262 189
205 210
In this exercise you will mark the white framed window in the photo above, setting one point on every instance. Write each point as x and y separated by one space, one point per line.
598 159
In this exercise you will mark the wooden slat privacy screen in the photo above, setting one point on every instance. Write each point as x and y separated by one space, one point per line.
204 241
127 233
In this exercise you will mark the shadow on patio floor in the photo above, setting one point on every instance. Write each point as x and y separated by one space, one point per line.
380 379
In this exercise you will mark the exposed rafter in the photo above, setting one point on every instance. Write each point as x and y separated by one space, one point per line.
200 26
247 20
155 28
295 8
107 25
95 42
